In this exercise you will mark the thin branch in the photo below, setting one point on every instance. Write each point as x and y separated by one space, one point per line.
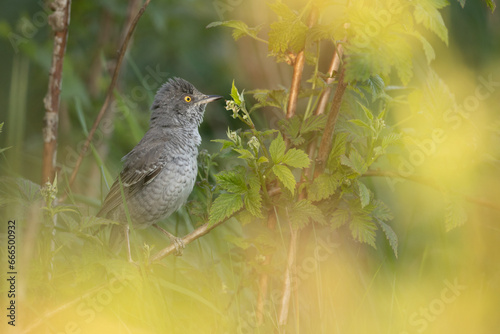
287 283
109 95
189 238
325 96
298 69
432 184
326 141
59 21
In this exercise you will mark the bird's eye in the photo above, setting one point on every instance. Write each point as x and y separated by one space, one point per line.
187 98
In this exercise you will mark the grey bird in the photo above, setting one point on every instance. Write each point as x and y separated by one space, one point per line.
160 172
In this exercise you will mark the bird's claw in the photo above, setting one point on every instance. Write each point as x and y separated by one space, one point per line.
179 246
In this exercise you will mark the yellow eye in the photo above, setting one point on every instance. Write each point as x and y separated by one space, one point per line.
187 98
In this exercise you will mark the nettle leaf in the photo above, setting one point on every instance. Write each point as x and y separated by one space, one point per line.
303 212
296 158
291 126
428 49
273 98
313 123
364 194
363 229
244 153
223 207
338 148
323 187
232 181
253 201
381 211
355 161
427 13
340 217
289 33
240 28
391 236
277 149
376 85
286 177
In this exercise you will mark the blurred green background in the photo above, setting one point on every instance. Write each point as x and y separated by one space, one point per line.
442 282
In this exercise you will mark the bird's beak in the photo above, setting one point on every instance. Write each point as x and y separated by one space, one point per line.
209 98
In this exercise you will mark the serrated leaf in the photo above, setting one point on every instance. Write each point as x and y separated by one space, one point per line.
428 49
262 160
313 123
225 143
323 187
286 177
244 153
426 12
360 123
240 28
377 86
381 211
287 34
391 236
304 211
277 149
338 148
364 194
232 182
363 229
296 158
253 201
355 162
340 217
235 95
490 3
223 207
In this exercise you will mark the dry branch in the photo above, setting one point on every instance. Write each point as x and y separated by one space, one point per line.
109 95
59 21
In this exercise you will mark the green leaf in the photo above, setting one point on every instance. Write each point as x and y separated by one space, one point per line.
360 123
304 211
426 12
490 3
340 217
338 148
391 236
462 3
232 181
296 158
286 177
225 143
240 28
253 201
244 153
355 162
363 229
235 95
287 34
364 194
381 211
277 149
323 187
313 123
428 49
223 207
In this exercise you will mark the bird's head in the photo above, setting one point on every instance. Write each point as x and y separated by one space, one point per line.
179 104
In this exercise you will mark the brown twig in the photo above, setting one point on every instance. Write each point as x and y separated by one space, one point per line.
59 21
298 69
189 238
109 95
326 140
432 184
324 97
291 109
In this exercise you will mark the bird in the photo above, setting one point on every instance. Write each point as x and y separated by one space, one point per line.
159 173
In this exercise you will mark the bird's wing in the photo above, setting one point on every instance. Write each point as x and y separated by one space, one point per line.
141 166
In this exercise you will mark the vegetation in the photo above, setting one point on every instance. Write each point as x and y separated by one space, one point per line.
355 197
